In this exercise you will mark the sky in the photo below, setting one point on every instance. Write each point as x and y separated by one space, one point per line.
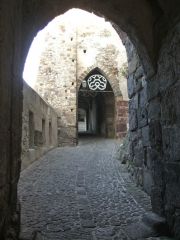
33 58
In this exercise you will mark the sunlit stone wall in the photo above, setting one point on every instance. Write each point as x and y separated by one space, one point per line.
72 48
39 127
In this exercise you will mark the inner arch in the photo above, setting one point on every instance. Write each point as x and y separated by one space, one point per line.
96 106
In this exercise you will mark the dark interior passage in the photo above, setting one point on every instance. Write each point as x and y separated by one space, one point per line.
96 106
96 113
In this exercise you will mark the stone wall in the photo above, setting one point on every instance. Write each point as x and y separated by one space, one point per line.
10 116
154 117
162 140
164 131
138 119
71 52
56 80
39 127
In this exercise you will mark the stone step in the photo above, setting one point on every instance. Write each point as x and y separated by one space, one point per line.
139 230
157 223
150 227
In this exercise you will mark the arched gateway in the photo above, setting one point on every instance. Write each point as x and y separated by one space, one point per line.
89 51
98 107
154 130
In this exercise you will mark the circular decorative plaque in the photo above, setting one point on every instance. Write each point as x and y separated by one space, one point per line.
97 82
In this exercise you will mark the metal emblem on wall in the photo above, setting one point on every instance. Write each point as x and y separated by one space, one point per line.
97 82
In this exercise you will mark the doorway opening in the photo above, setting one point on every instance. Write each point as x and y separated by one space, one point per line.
96 106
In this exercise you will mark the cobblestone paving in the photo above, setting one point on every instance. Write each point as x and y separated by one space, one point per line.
80 193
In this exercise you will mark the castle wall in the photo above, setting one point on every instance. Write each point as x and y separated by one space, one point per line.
71 52
39 127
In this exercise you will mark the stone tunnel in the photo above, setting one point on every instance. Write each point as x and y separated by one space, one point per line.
150 31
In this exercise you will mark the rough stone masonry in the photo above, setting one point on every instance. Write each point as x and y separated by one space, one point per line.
154 31
71 52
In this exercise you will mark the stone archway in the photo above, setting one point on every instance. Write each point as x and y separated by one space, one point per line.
143 41
61 70
97 97
146 30
118 102
112 78
24 20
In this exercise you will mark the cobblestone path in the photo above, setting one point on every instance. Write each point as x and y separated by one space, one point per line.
80 193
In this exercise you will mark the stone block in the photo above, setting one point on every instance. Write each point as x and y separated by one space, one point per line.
131 86
142 117
139 230
121 103
166 74
133 102
171 144
175 143
152 156
133 123
136 135
147 180
139 177
155 134
170 110
138 154
134 63
156 222
121 127
152 88
157 200
157 169
129 48
121 112
138 84
143 97
145 136
172 174
139 72
154 109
